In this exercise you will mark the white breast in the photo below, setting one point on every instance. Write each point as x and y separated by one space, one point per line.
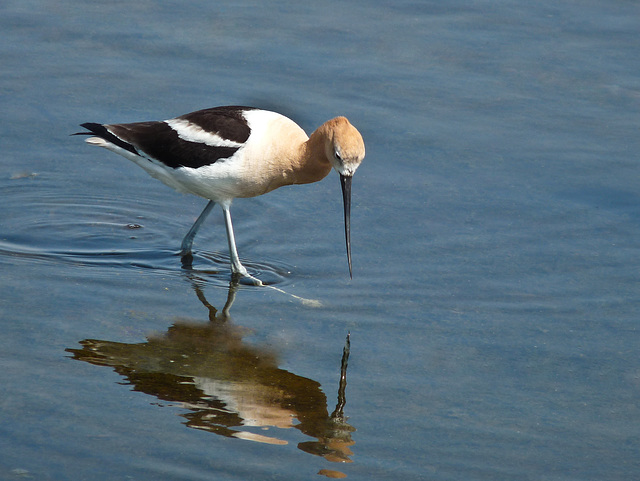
256 166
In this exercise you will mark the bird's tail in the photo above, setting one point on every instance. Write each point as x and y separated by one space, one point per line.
101 132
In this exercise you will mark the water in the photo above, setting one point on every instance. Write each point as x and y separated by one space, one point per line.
494 306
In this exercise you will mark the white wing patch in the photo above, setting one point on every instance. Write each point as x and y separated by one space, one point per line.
194 133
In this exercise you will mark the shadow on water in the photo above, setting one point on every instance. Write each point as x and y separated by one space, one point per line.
227 386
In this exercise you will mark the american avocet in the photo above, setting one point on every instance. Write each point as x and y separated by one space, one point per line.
227 152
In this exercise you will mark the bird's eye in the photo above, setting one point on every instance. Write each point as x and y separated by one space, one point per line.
338 156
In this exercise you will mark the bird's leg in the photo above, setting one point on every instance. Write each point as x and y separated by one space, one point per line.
187 242
236 266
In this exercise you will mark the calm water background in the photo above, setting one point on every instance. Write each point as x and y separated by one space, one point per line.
494 308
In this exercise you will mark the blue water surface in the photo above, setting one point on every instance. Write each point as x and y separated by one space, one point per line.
494 306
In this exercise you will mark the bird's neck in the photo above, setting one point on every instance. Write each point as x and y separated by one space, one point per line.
313 164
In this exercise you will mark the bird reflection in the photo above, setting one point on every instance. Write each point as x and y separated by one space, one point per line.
228 386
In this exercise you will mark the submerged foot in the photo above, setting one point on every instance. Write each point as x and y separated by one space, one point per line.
245 276
254 280
187 260
238 273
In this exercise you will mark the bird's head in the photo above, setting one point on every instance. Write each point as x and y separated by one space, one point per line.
344 148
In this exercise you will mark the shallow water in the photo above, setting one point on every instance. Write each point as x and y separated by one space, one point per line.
494 306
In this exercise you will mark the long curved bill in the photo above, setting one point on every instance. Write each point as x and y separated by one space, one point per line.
345 181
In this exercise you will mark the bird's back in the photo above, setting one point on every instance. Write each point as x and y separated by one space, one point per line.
218 153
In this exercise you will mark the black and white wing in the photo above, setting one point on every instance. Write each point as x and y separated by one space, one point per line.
193 140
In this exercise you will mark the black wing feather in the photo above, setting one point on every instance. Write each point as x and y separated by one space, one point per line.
162 143
227 122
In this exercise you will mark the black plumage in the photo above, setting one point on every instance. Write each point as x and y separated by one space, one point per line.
161 142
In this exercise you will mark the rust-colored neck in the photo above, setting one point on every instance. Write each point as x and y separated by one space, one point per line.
313 164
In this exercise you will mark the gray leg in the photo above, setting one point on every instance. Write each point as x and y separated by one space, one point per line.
236 265
187 242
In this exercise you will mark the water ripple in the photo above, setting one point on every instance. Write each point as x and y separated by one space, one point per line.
213 267
94 230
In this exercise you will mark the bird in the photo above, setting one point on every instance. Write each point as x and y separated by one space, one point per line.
229 152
